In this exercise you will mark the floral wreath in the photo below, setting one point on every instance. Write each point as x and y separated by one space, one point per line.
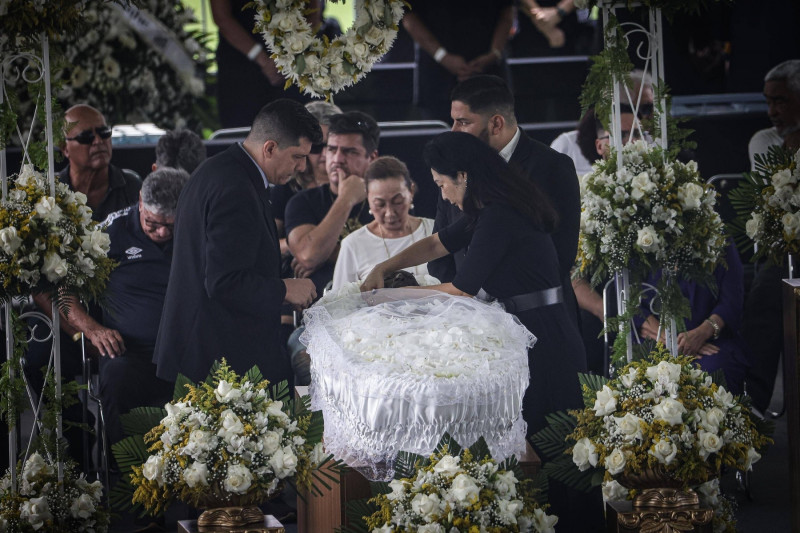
320 67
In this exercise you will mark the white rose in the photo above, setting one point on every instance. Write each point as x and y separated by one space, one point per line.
508 510
196 474
544 523
710 420
708 442
96 243
613 491
47 208
448 466
283 462
640 186
605 402
111 67
295 44
35 511
665 451
34 465
791 224
425 505
322 83
374 36
9 240
647 239
464 489
276 409
630 426
54 267
754 225
615 462
230 424
664 372
752 457
82 506
690 196
670 411
506 484
317 454
271 441
238 479
398 490
152 469
226 392
360 50
781 178
584 454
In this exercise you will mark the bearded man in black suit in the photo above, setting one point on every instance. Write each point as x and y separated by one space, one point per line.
483 106
225 293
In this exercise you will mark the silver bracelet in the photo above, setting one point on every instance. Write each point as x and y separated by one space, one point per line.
253 53
439 55
715 326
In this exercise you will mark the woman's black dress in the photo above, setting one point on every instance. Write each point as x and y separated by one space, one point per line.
507 256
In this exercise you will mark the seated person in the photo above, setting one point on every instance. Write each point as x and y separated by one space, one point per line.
390 193
579 144
317 219
782 91
712 331
141 242
180 149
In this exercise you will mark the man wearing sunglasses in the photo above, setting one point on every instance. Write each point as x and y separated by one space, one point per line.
87 147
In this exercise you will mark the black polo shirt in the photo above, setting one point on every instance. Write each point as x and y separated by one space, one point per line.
135 293
123 191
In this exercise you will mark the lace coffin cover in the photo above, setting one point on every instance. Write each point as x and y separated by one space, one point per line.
394 369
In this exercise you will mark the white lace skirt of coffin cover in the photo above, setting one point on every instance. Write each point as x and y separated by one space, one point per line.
394 369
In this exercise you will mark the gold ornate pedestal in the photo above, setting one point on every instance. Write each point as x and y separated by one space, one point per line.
263 524
227 517
659 510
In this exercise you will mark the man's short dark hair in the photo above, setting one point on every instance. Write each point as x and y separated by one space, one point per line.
180 149
285 122
357 122
486 95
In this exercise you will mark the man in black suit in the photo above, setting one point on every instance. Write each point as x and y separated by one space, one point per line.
224 294
484 107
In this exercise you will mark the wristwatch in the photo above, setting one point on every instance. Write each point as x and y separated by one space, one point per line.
715 326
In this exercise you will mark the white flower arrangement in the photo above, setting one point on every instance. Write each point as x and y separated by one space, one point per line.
227 442
662 413
49 243
652 213
319 67
44 505
770 205
458 492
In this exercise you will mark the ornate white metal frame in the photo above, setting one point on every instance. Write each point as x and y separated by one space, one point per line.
37 69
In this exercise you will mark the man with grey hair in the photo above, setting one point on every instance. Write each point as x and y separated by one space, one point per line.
180 149
141 245
782 91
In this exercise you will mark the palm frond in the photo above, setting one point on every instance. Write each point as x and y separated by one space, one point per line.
280 391
406 464
590 384
130 451
480 450
356 513
140 420
180 387
254 375
453 447
565 471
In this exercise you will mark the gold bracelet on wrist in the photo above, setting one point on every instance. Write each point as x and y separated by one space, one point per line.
715 326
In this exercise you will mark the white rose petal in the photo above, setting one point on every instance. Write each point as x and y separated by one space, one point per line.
425 505
9 240
283 462
196 474
584 454
647 239
615 462
665 451
464 489
606 401
82 506
448 466
670 411
55 267
613 491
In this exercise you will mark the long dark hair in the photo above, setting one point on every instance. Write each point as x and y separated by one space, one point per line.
489 178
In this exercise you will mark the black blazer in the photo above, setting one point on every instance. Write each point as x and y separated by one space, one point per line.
554 174
225 293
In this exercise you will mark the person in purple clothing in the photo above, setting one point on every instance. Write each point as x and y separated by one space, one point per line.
713 329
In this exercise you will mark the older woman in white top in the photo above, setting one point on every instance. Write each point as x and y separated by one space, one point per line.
390 192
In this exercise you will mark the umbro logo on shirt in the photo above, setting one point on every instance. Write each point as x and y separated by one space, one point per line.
133 252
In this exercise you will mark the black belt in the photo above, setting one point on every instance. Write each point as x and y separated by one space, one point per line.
532 300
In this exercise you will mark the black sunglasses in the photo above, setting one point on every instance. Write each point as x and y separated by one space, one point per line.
87 136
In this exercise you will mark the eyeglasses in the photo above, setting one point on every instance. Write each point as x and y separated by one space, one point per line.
155 226
87 136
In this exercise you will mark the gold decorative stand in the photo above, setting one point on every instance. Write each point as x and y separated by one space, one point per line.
659 510
267 524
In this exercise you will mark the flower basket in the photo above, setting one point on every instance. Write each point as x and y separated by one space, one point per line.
662 425
50 244
767 204
227 443
457 490
653 213
45 505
